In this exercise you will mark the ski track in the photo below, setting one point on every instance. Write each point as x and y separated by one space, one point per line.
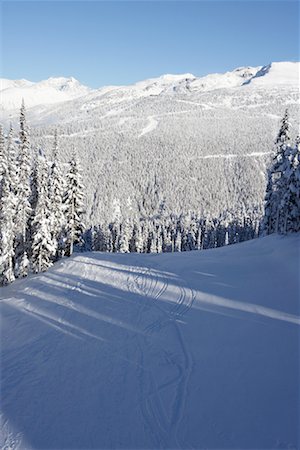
146 283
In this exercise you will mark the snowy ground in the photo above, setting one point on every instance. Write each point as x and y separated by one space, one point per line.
188 351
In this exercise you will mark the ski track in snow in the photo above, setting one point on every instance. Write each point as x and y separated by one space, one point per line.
151 288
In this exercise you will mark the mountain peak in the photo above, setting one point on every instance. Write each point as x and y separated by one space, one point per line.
49 91
276 73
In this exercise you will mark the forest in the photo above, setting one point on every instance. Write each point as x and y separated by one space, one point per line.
43 208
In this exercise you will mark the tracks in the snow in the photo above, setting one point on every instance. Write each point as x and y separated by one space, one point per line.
162 416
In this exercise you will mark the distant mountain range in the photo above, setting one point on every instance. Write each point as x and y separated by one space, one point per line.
57 90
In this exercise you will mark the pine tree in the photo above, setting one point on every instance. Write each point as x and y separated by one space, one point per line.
290 204
177 244
138 244
3 159
276 181
12 161
7 213
73 206
123 240
23 211
56 213
43 245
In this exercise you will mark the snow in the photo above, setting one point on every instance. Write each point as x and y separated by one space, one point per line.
277 73
186 350
62 89
152 124
104 126
47 92
231 79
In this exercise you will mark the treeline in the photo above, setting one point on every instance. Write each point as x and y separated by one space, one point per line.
41 206
170 234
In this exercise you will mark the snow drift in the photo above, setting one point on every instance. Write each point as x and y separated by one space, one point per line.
190 350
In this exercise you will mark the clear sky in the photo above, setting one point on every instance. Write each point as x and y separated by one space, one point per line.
120 42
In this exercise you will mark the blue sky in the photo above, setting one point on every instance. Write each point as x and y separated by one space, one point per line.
120 42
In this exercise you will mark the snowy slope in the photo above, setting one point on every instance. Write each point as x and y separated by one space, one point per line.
51 91
192 350
277 73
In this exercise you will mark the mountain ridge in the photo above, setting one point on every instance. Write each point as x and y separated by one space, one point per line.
61 89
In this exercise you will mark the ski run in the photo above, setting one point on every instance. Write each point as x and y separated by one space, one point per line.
146 351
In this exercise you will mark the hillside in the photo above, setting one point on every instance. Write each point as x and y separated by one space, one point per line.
205 141
186 350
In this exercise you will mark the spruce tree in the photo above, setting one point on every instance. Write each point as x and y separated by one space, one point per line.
56 213
43 245
73 206
290 204
7 213
23 212
276 181
12 161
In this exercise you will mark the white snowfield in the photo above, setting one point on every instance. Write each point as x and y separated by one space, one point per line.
197 350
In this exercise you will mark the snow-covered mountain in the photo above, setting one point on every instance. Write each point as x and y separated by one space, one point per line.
205 140
56 90
280 73
192 350
53 90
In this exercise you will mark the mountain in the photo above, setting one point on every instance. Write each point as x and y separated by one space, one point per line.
200 143
190 350
53 90
57 90
282 73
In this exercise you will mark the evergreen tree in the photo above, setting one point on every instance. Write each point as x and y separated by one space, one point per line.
7 213
23 211
43 245
56 200
290 204
12 161
73 206
276 181
3 159
123 240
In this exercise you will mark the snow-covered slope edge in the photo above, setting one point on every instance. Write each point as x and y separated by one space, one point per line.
191 350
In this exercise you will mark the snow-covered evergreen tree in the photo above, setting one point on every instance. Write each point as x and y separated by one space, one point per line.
43 244
282 207
290 203
123 239
23 211
276 181
56 212
7 214
73 206
12 160
3 159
